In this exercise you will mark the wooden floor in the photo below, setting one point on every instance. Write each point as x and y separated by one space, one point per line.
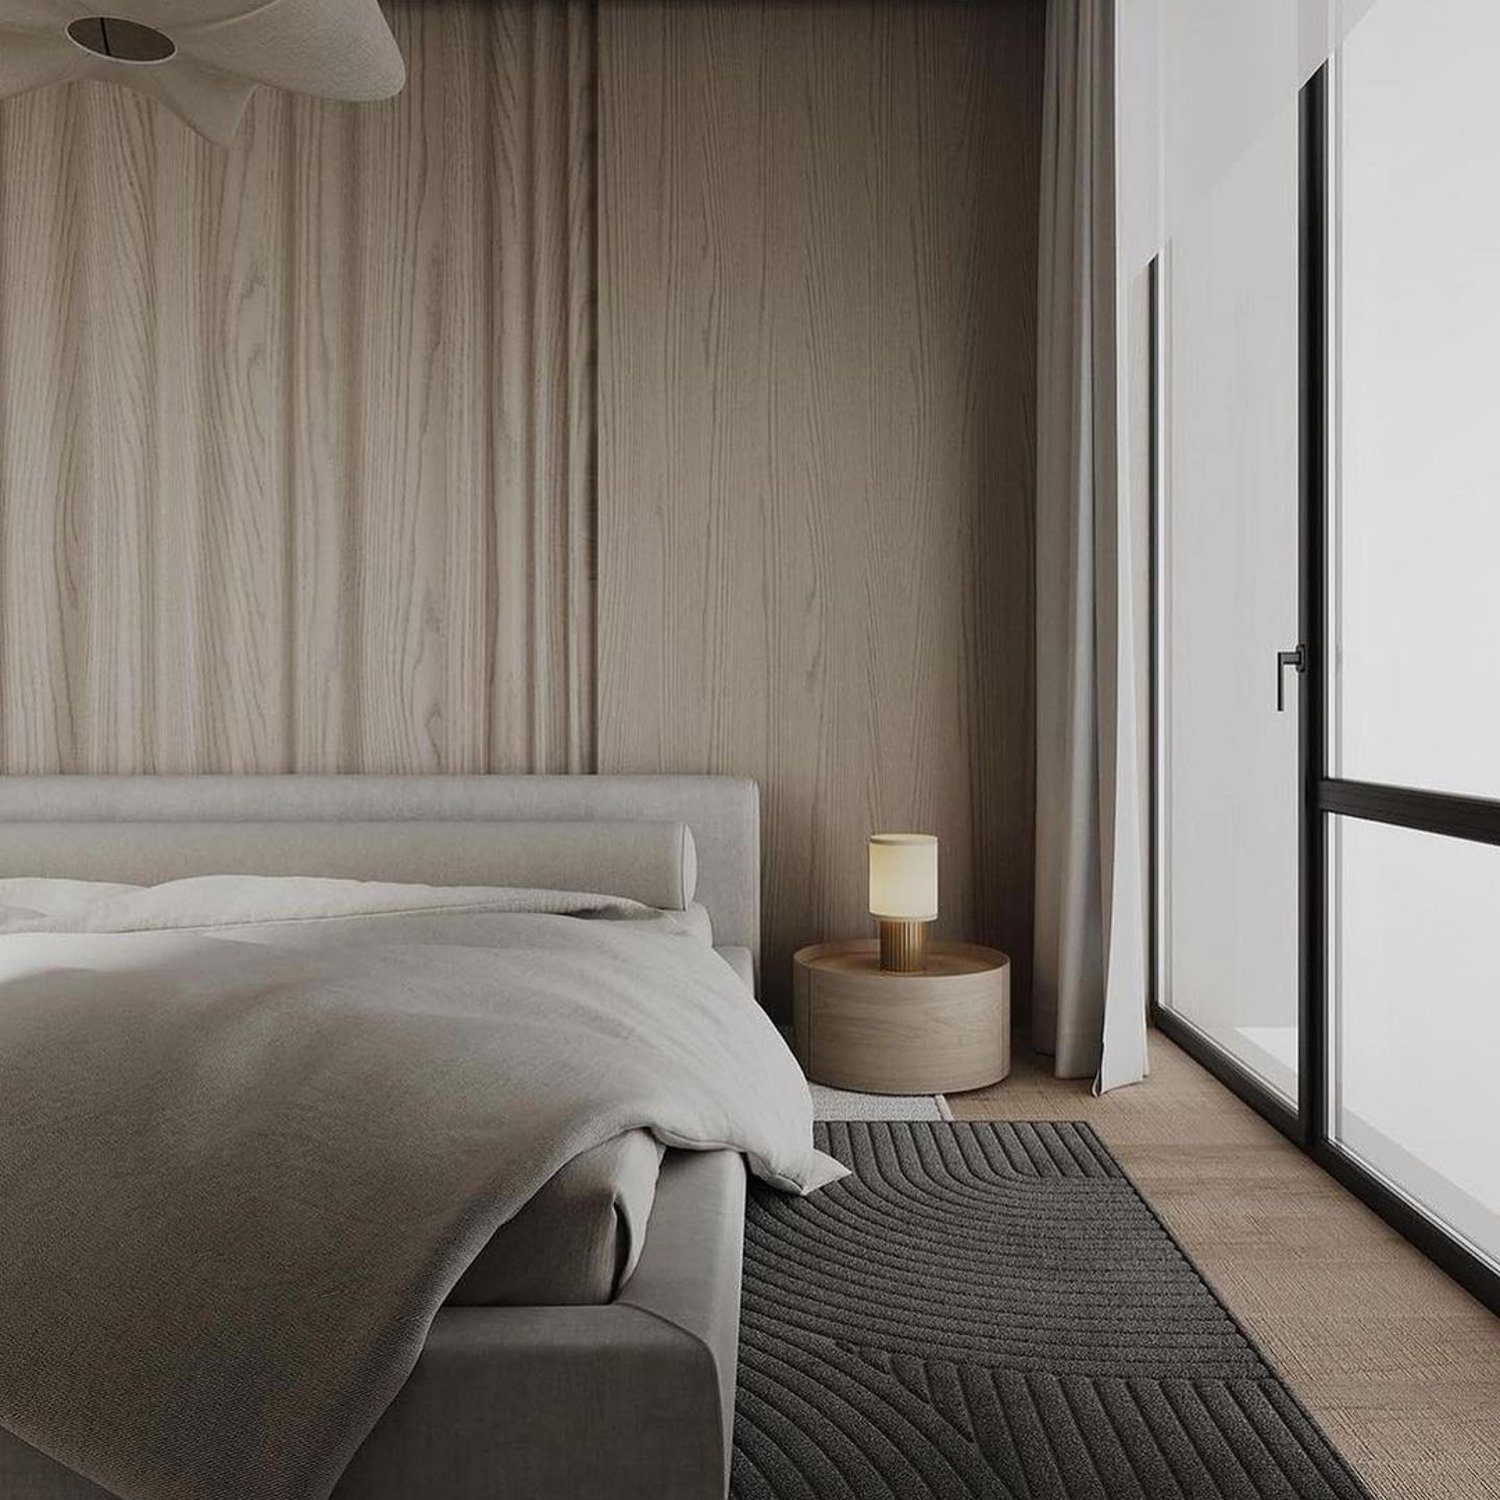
1400 1365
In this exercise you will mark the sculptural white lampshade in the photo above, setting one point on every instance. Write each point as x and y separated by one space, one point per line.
203 58
903 896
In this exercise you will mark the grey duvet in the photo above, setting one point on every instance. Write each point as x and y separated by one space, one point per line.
577 1241
255 1131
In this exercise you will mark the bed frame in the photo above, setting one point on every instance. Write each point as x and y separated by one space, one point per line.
629 1401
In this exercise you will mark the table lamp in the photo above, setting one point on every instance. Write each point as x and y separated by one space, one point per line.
903 897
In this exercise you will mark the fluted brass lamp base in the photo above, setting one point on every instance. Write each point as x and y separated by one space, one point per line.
903 945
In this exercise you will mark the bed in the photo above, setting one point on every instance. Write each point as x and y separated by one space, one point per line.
622 1397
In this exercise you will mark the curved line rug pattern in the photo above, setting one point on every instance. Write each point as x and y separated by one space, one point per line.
990 1309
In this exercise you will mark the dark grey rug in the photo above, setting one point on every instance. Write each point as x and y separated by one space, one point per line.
994 1310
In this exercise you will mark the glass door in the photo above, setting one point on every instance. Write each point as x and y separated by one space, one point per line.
1412 639
1228 590
1326 631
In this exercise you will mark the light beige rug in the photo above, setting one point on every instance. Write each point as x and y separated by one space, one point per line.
841 1104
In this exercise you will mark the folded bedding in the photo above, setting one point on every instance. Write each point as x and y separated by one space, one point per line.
258 1130
577 1241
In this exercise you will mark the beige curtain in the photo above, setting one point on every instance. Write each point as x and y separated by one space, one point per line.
1088 1007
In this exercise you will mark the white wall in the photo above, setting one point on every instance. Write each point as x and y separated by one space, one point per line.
1199 82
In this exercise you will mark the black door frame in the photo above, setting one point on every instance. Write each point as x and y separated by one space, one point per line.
1321 796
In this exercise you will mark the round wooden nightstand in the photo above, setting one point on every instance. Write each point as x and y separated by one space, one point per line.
938 1032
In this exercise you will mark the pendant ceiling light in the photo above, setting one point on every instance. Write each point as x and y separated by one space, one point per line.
204 58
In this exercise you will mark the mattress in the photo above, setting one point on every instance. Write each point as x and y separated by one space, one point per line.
577 1241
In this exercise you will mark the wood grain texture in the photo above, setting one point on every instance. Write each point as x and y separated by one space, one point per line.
817 330
1399 1363
297 438
858 1027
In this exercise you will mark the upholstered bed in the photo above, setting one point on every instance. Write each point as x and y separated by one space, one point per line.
590 1348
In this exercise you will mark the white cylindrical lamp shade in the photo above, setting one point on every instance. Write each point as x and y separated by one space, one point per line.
904 876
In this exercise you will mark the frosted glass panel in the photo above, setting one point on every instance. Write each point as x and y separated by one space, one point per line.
1416 1021
1417 583
1229 565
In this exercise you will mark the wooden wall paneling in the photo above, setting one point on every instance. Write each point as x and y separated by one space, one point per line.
542 706
548 351
296 437
40 239
319 393
579 551
172 517
510 702
298 456
108 509
469 126
219 274
402 506
818 229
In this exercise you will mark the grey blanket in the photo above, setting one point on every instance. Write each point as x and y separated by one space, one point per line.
254 1131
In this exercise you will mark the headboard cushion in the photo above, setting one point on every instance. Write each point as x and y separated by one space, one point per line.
136 824
650 862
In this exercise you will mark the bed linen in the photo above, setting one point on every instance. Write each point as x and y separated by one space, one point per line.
259 1129
577 1241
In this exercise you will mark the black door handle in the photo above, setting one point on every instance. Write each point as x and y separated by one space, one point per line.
1285 659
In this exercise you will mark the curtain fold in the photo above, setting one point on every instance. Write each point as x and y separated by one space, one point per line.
1089 990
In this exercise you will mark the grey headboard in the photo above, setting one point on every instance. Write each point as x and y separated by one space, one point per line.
42 817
